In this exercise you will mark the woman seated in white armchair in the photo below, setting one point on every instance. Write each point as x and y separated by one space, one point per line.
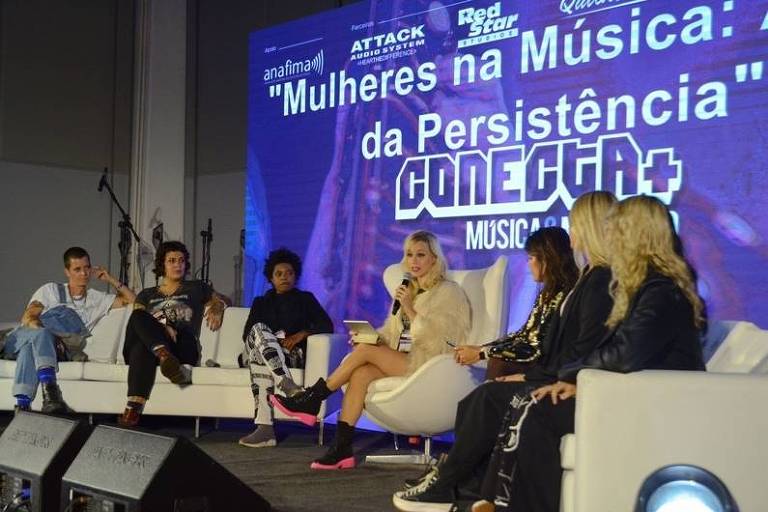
433 310
655 324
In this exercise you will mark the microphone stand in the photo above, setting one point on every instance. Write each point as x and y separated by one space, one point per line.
126 230
207 236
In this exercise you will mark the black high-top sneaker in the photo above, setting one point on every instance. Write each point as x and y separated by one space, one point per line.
432 494
431 468
53 402
303 406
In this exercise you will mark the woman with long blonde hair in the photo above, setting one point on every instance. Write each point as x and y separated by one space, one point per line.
655 323
433 310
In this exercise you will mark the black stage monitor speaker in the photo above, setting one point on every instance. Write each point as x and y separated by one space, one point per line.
131 471
35 450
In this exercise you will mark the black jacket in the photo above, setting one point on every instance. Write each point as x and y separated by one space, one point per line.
291 312
578 330
658 333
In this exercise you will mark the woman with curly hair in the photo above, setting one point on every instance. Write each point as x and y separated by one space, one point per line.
164 328
433 310
655 324
275 337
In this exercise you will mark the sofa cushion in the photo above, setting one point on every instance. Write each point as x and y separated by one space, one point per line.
568 451
106 336
67 370
7 369
209 344
113 373
231 337
233 376
744 349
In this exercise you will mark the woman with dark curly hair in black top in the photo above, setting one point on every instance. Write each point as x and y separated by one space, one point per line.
164 327
275 337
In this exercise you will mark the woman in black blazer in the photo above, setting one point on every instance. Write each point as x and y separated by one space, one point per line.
573 333
655 323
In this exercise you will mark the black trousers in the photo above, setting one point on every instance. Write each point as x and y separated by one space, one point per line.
143 334
537 480
478 419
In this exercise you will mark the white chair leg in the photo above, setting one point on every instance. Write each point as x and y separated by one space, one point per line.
321 432
197 427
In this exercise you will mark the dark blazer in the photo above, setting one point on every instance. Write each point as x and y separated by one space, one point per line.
657 334
580 327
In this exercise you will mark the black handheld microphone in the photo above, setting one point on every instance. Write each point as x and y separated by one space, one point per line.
406 281
103 180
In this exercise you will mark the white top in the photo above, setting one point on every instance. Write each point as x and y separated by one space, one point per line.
90 308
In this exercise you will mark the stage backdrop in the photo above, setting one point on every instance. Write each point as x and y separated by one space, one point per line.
483 121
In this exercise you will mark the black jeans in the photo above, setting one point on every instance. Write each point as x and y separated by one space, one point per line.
144 333
478 419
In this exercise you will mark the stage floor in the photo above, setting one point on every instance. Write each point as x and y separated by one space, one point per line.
282 475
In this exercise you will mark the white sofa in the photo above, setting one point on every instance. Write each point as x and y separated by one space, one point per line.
627 426
99 385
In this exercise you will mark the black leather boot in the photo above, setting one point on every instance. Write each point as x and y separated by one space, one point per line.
53 402
340 454
304 405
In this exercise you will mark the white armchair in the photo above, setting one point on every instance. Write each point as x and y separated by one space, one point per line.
425 402
628 426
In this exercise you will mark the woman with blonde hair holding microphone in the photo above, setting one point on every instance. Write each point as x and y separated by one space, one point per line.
433 310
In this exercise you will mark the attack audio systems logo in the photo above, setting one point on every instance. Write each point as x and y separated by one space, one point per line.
290 69
486 25
391 45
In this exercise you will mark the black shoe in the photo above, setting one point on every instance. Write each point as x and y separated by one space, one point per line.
431 468
431 495
303 406
53 402
337 457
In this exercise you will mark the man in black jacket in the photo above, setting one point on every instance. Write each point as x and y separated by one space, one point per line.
275 337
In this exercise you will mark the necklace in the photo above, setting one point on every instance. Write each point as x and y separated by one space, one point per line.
78 298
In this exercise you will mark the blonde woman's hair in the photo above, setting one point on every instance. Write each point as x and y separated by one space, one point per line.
438 270
641 236
587 222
